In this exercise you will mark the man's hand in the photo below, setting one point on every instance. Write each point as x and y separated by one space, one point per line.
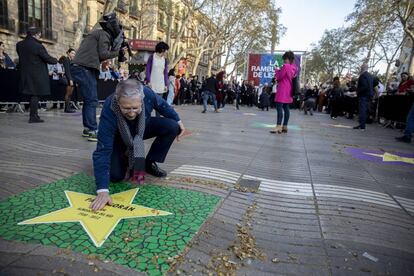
165 89
71 82
149 85
182 130
100 201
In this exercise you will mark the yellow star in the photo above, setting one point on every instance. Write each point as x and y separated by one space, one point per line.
98 225
388 157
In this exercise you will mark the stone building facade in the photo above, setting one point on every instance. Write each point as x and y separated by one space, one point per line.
142 19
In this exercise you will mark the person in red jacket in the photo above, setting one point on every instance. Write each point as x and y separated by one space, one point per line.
220 88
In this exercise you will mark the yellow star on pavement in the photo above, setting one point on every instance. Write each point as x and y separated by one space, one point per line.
99 225
388 157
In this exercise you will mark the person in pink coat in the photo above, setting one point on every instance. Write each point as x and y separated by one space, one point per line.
283 99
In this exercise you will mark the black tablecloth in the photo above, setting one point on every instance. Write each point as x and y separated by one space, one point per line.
9 89
394 107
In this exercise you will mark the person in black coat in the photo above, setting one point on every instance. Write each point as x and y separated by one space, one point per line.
336 95
365 91
34 77
68 80
264 99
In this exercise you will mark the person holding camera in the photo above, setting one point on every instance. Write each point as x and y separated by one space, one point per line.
97 46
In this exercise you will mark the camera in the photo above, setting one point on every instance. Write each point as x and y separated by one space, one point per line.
121 56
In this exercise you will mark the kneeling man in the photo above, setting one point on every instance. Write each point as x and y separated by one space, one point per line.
124 124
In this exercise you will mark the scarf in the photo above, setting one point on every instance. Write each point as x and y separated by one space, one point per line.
135 145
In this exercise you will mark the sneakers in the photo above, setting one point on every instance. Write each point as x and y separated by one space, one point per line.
91 135
85 133
403 139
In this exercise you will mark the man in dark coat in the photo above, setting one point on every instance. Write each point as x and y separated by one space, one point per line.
34 77
365 91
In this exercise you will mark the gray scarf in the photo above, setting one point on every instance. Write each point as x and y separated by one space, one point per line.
135 145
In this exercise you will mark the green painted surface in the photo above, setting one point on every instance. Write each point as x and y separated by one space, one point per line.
144 244
262 125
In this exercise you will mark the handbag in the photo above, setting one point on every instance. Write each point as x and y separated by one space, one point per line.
63 80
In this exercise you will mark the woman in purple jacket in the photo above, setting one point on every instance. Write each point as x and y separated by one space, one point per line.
283 99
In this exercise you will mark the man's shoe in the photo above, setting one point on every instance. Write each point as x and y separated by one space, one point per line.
85 133
217 111
35 120
153 169
204 111
93 136
359 127
403 139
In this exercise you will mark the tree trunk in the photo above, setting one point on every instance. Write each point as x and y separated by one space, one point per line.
387 72
210 64
197 62
80 28
411 65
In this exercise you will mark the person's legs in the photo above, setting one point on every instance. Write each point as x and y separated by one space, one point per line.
119 161
165 130
409 128
213 96
333 109
279 113
363 110
205 99
237 100
34 105
286 114
87 87
68 97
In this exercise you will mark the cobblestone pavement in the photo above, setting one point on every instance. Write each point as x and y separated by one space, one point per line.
296 204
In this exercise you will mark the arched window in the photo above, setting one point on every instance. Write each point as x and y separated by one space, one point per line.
36 13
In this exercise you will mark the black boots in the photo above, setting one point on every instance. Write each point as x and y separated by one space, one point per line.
153 169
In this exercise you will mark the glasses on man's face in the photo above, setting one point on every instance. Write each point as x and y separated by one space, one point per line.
129 110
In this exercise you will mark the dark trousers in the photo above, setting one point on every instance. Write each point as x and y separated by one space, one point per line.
409 128
336 108
34 105
165 130
282 112
86 80
237 100
363 111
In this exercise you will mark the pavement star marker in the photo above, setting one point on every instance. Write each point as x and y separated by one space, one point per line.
98 225
388 157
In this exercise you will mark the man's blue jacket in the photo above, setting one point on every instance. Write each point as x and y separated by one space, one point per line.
108 127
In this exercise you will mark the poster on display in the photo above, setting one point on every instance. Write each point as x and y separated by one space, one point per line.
182 66
261 67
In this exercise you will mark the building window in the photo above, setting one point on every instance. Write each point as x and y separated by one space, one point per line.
5 22
161 20
133 32
37 13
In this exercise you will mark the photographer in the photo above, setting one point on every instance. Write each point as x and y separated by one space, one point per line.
97 46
